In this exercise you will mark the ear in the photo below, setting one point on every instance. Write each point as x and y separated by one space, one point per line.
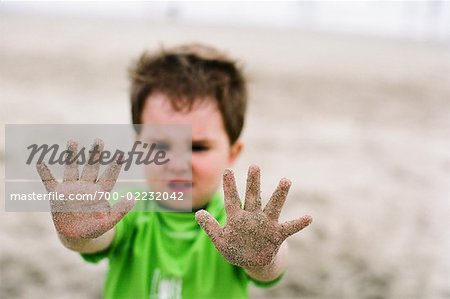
235 151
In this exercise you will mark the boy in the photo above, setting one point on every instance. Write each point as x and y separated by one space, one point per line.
167 255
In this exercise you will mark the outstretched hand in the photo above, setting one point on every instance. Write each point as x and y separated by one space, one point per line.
82 219
251 236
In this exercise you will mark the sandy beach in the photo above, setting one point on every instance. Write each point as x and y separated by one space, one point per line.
360 125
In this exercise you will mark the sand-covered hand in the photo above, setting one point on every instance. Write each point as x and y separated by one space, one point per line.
251 236
94 215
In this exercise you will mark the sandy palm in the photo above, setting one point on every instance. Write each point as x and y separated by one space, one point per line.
251 236
84 218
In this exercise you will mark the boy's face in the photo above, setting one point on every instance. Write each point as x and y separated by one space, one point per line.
211 150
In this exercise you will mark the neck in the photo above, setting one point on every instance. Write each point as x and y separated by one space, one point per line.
174 209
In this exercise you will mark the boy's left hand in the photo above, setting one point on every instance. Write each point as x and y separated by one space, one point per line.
251 236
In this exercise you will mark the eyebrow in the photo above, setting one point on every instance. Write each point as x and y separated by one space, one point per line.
201 141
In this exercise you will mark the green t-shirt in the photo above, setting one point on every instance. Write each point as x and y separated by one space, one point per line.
167 255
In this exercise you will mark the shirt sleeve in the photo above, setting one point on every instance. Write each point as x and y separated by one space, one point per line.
263 284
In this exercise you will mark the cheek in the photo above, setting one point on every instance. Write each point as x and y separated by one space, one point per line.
152 174
153 171
209 167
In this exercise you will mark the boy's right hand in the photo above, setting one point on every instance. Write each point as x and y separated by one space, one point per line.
85 219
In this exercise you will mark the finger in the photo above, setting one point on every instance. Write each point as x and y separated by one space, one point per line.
47 178
209 225
291 227
71 169
253 191
90 171
232 201
109 176
276 202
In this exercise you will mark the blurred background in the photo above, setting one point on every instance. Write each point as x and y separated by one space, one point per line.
350 100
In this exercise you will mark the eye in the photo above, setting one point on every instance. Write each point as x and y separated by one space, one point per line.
162 146
199 148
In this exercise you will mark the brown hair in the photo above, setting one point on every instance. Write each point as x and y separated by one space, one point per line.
187 74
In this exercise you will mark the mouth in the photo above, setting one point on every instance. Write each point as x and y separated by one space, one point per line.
180 185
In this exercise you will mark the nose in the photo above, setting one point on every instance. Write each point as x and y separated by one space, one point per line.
180 164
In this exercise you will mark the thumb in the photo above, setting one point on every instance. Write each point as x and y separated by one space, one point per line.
291 227
120 209
117 212
209 225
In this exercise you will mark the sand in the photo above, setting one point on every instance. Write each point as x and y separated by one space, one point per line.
359 125
251 237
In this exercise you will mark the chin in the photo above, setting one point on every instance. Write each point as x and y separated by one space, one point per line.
200 202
